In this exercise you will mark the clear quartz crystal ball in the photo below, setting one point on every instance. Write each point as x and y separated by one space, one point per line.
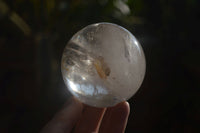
103 64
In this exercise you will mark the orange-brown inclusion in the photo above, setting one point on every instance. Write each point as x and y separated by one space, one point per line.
101 67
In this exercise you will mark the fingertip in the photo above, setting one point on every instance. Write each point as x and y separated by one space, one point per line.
127 107
124 106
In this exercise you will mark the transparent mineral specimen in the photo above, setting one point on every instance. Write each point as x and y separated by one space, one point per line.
103 64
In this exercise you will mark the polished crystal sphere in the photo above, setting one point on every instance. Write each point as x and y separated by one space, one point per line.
103 64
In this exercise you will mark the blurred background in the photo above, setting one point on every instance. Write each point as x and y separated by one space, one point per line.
33 34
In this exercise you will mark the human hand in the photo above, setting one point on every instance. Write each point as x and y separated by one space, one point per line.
78 118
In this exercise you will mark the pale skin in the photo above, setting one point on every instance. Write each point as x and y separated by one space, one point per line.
76 117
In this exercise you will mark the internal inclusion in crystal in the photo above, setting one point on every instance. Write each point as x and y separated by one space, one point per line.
103 64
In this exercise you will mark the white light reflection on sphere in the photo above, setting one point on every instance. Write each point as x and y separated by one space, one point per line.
103 64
